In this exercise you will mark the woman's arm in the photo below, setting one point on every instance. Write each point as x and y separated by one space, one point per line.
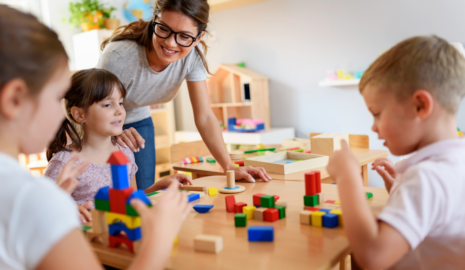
210 130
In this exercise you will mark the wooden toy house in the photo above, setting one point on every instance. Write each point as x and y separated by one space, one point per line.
239 92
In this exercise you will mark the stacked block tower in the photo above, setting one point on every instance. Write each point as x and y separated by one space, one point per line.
313 195
115 221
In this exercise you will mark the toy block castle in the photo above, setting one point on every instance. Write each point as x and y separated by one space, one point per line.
115 221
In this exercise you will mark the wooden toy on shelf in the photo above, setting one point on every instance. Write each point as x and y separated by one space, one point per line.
277 162
208 243
239 92
231 186
192 160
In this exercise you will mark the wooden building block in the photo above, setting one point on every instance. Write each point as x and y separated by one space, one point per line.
330 221
313 209
119 176
103 193
102 205
195 188
305 217
240 220
338 212
202 208
276 198
140 195
238 207
267 201
317 218
208 243
327 143
310 184
117 240
369 195
282 211
230 179
118 198
271 215
281 203
131 222
258 213
317 181
230 201
260 233
256 198
212 191
337 202
311 200
320 198
132 234
99 223
97 237
201 193
249 211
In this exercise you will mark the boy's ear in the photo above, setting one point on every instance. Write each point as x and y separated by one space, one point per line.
12 97
424 103
78 114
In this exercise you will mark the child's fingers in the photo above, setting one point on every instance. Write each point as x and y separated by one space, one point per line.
384 174
85 214
87 205
344 145
184 179
78 169
66 169
140 207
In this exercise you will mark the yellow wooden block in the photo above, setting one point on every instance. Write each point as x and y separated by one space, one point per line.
212 191
337 202
195 160
131 222
317 218
175 241
249 210
338 212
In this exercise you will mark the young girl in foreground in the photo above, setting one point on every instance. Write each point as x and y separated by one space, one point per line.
95 115
39 222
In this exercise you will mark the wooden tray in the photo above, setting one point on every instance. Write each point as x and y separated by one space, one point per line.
271 162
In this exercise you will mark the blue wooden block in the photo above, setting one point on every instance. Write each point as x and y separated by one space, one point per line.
260 233
330 221
117 228
200 159
103 194
193 197
203 208
325 210
258 206
139 194
119 176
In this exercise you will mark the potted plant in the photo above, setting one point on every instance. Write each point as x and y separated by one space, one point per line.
89 14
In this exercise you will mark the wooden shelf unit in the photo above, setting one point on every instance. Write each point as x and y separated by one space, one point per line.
339 83
239 92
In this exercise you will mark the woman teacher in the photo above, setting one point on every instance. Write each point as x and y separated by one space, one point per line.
152 59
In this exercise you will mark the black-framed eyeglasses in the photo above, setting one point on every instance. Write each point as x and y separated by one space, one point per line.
182 39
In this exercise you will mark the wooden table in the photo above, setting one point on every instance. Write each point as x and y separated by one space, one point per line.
364 157
295 246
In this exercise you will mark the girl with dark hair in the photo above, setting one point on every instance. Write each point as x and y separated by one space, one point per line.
152 59
95 116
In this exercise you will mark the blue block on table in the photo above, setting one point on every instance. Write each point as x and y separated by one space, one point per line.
325 210
117 228
203 208
193 197
260 233
119 176
139 194
103 194
330 221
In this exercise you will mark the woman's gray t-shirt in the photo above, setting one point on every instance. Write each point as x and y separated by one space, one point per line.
128 60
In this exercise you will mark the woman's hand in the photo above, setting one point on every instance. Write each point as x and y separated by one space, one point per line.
132 139
84 214
249 173
67 178
385 168
182 179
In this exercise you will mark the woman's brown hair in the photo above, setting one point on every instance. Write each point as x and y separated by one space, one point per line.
87 87
142 32
29 50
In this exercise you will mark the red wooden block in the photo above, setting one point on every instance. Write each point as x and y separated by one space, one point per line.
271 214
312 209
118 198
256 198
330 201
118 240
192 160
239 162
310 188
230 201
276 198
118 158
318 181
308 152
238 207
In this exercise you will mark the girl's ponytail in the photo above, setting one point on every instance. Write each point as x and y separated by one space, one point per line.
67 130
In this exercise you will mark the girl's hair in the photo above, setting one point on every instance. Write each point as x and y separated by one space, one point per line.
29 50
87 87
142 32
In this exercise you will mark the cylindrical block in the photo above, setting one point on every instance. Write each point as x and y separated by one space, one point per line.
231 179
318 181
310 187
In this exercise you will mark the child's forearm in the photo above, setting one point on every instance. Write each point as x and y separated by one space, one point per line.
153 253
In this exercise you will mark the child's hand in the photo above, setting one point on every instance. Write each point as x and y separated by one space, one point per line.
343 163
182 179
84 212
163 220
67 178
385 168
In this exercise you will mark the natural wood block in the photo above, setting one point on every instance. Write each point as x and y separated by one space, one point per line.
296 142
195 188
230 179
305 217
327 143
320 198
281 203
208 243
97 237
201 194
99 224
258 213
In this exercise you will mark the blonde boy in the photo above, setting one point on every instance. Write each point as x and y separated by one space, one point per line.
413 91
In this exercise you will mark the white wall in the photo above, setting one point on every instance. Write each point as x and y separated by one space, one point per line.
294 43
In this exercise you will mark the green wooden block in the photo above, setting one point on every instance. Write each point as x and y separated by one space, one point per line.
153 193
183 190
103 205
282 211
130 211
240 220
267 201
86 228
311 200
211 160
369 195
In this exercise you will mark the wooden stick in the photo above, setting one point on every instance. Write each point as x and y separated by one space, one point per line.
195 188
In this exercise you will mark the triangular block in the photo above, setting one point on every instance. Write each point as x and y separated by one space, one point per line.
118 158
